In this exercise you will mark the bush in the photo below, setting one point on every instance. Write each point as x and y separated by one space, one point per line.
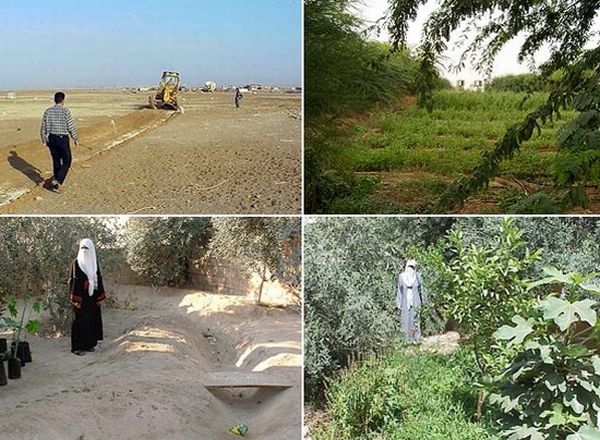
405 396
526 82
160 250
487 287
552 387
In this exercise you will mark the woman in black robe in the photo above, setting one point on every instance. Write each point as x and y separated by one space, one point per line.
86 291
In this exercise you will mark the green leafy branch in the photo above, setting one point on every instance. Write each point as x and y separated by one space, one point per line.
551 390
17 323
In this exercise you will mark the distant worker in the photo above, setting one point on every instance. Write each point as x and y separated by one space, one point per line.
238 97
409 300
57 125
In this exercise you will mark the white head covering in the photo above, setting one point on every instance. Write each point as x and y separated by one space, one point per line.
86 259
409 276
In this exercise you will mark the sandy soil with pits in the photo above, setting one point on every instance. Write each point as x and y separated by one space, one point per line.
147 379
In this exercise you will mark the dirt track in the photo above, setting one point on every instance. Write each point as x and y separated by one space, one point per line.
213 159
146 379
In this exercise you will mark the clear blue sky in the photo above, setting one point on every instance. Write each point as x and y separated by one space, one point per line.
83 43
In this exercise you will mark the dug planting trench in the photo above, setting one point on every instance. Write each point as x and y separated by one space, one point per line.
27 167
150 377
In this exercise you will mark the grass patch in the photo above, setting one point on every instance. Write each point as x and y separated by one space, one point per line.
446 143
406 395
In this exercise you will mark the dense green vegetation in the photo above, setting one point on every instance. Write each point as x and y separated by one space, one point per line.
424 154
405 396
344 74
477 274
527 82
402 160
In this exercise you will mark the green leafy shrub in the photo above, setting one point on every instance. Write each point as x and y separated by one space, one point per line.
17 322
525 82
160 249
487 286
551 390
405 396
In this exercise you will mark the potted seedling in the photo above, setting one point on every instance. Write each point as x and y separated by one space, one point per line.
3 379
3 345
14 363
19 352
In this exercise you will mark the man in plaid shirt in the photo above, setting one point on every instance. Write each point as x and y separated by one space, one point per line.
57 125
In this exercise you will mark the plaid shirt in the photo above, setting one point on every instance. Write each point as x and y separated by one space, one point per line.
58 120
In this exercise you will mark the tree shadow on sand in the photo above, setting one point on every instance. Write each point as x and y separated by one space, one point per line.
29 170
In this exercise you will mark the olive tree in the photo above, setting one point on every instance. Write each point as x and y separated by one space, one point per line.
260 245
35 254
160 249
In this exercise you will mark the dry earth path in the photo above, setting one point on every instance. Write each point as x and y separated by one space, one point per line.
212 159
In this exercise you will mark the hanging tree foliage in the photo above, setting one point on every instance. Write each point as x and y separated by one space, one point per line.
566 27
161 249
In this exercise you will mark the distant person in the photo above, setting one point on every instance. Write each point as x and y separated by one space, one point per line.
86 292
57 125
238 97
409 300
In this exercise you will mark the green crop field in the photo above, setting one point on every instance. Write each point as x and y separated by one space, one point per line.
404 158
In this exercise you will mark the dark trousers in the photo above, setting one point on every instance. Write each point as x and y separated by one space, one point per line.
61 155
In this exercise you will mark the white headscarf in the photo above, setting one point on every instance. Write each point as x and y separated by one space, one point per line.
409 276
86 259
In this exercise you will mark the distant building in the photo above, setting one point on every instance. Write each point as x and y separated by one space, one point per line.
478 85
460 84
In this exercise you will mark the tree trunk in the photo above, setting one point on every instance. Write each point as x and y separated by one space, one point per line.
262 283
482 369
480 399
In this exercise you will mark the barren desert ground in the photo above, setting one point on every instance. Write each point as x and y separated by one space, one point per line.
212 159
148 379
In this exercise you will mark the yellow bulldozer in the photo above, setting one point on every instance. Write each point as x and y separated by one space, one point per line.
166 97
